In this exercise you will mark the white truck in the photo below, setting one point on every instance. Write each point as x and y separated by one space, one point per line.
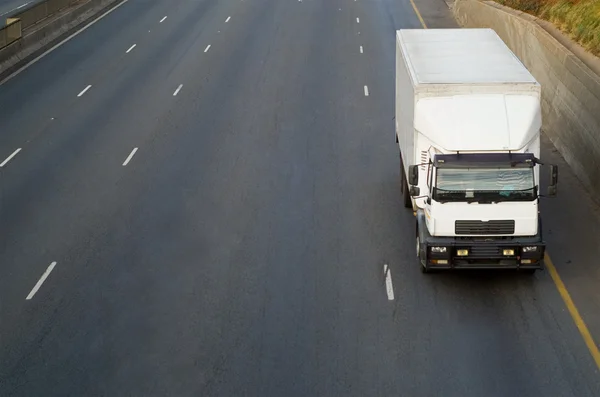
468 119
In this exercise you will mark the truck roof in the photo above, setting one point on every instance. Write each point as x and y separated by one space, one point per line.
460 56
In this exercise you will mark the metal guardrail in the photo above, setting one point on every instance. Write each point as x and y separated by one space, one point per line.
18 22
11 32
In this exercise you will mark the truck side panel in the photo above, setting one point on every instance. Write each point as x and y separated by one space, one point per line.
404 110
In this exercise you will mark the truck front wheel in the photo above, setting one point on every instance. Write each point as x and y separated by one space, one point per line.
420 257
527 271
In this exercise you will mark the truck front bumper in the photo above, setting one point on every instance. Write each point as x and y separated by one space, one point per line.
518 252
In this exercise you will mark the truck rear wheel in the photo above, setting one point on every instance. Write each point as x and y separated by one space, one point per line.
404 186
407 201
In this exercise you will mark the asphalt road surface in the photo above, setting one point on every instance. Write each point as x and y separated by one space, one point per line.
239 251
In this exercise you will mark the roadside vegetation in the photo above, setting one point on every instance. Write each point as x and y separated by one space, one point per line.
580 19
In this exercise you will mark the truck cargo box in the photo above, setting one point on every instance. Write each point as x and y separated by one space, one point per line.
462 90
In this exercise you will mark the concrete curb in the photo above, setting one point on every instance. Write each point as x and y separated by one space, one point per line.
570 84
38 40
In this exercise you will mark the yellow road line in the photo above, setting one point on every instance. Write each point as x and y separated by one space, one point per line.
418 14
560 286
583 329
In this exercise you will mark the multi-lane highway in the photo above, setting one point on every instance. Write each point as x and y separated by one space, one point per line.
198 197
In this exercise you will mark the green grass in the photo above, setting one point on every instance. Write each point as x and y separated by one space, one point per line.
579 19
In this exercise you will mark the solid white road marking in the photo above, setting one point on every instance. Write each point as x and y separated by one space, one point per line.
361 49
207 47
15 9
130 48
366 91
163 18
84 90
10 157
357 20
41 280
388 282
178 89
62 42
227 20
130 157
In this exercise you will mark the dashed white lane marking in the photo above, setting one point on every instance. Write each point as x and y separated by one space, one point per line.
227 20
10 157
207 47
357 20
366 91
130 48
178 89
389 288
361 49
130 157
41 281
84 90
163 19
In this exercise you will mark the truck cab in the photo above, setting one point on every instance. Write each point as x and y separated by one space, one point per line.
481 210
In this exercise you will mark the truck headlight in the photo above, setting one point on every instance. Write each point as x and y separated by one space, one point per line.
462 252
438 250
530 249
508 252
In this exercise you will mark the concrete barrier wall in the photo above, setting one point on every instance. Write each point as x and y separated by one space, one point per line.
38 40
41 10
33 14
570 86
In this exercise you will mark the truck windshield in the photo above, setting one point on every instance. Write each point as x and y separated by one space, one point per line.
484 184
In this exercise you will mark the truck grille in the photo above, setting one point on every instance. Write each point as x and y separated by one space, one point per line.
480 227
485 252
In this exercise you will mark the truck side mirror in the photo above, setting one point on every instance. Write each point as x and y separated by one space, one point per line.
414 191
413 175
553 181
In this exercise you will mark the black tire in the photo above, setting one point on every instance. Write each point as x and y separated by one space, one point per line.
418 249
404 186
407 201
